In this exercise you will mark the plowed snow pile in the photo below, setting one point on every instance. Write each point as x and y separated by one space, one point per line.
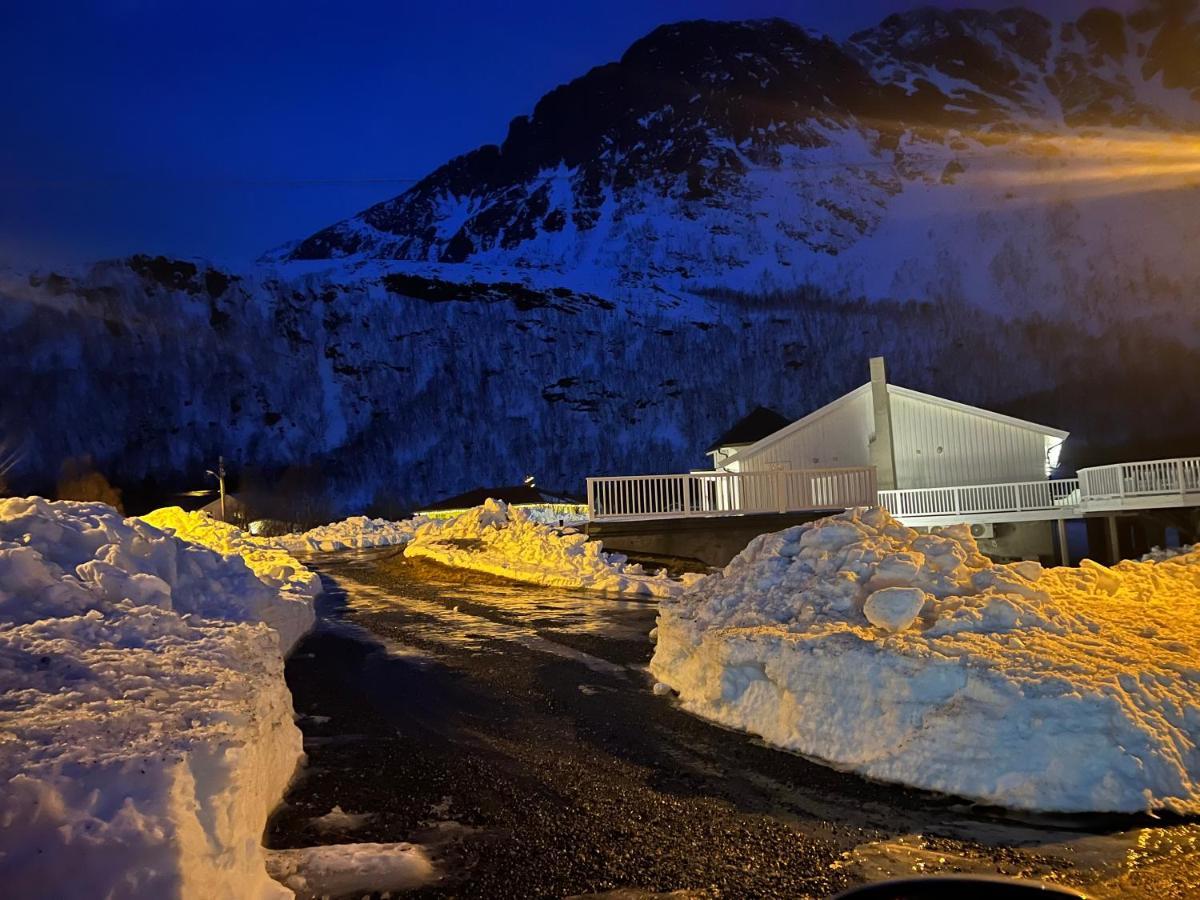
355 533
272 565
145 727
911 658
505 541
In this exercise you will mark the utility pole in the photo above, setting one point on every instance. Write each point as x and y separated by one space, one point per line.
220 476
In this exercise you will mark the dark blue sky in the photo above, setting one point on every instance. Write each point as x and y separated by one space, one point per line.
221 129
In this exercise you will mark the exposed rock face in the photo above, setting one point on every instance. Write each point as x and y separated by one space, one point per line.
758 155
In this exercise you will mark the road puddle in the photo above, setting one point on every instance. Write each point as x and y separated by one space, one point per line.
438 623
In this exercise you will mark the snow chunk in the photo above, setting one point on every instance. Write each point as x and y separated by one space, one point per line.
504 540
146 730
1066 689
340 869
1162 554
354 533
337 819
894 608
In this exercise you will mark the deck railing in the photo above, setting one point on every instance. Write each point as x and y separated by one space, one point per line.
634 497
1136 485
970 500
1141 479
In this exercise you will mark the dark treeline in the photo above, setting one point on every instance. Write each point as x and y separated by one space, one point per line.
331 397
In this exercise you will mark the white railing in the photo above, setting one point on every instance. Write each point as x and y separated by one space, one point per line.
633 497
976 499
1138 485
1141 479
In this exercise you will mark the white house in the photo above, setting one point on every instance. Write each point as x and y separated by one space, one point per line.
913 440
928 460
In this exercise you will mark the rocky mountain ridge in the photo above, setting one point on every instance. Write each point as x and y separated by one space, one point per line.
999 158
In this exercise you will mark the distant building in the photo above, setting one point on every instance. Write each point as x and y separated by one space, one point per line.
554 504
235 509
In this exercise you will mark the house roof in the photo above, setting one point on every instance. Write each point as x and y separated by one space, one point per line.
516 493
896 391
750 428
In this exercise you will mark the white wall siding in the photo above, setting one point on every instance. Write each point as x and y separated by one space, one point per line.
937 446
837 438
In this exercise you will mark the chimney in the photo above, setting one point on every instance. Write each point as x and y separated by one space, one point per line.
882 449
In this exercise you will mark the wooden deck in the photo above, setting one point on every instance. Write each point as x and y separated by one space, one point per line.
1121 487
708 494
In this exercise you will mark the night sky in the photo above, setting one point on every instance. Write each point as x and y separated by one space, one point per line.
221 129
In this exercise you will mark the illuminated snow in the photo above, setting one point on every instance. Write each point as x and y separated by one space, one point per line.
1067 689
272 565
504 540
146 730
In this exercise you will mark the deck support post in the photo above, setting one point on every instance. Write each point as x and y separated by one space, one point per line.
1114 540
1064 552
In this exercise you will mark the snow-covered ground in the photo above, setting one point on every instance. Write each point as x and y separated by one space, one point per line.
146 730
505 541
911 658
354 533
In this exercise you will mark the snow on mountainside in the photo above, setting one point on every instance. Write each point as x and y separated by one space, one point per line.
995 157
356 389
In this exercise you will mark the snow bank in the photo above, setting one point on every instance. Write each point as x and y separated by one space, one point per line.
1063 689
145 730
297 585
355 533
505 541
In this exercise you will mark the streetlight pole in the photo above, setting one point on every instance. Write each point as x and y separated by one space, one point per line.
220 476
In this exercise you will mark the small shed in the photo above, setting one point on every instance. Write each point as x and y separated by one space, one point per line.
235 509
751 428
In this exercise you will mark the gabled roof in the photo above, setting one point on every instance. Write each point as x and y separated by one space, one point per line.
793 427
757 424
898 391
894 390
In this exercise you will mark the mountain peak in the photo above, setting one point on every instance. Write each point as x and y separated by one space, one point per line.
759 155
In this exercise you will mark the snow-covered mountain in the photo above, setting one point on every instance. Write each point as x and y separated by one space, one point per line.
1001 158
733 214
358 388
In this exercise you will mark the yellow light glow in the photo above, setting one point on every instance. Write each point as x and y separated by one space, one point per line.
1091 164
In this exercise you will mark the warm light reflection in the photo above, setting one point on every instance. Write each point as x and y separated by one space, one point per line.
1092 164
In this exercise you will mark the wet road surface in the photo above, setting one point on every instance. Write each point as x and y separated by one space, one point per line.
511 730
